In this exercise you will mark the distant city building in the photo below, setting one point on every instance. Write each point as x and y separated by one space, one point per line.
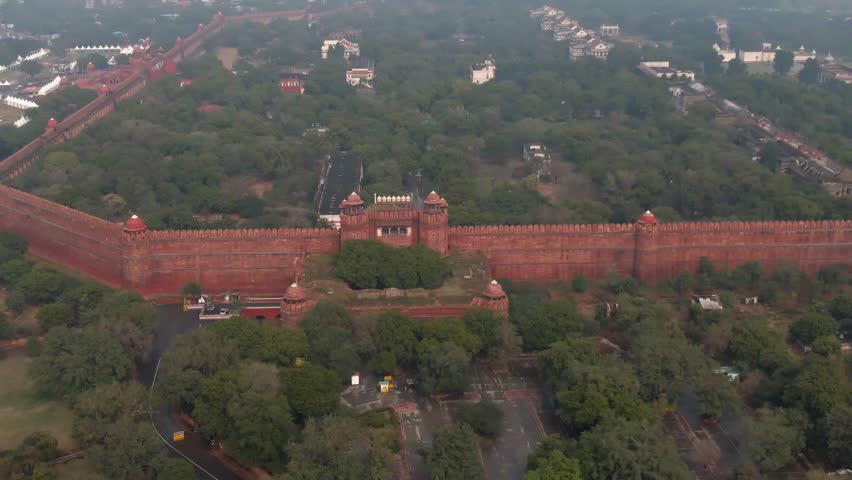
766 54
801 55
610 30
537 157
361 75
665 71
834 71
483 72
291 85
350 49
726 53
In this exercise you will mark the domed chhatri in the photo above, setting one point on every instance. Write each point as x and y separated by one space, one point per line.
354 199
295 294
135 225
52 123
433 198
103 90
494 291
648 218
179 41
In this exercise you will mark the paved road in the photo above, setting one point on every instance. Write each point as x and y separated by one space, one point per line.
174 321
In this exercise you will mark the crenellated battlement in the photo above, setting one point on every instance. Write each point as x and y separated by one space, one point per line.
701 227
229 234
543 229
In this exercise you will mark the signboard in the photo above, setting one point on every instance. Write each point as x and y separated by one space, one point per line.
178 436
356 378
384 386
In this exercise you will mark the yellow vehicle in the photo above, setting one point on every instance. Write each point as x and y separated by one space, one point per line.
178 436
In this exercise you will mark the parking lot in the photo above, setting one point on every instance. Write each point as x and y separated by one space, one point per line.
527 419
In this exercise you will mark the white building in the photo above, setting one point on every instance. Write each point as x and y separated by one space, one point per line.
21 103
597 48
483 72
360 76
801 55
727 53
349 48
610 30
665 71
765 55
50 87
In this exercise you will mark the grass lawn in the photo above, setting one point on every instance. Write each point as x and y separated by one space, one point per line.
22 412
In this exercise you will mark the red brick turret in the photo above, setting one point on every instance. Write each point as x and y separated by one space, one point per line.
434 224
493 298
200 27
51 125
294 305
135 225
645 254
178 42
354 224
104 90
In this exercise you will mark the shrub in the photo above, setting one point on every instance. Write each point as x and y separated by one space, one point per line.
580 283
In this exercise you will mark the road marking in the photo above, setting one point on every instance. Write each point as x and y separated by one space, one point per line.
417 431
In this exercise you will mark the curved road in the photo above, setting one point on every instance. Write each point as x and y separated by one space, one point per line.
174 321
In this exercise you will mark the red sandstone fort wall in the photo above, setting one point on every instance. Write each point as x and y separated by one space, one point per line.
258 261
807 245
549 251
63 235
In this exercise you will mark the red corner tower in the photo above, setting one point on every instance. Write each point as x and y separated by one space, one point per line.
294 304
354 224
434 224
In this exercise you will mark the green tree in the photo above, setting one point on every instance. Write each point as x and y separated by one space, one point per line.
191 289
130 451
623 449
497 337
31 67
176 469
556 466
42 285
99 408
331 447
484 417
818 387
716 396
773 438
813 325
756 344
282 346
551 322
74 360
737 67
454 454
261 424
666 363
312 390
810 72
395 338
31 454
328 328
783 62
55 315
443 367
826 345
839 435
451 330
6 330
